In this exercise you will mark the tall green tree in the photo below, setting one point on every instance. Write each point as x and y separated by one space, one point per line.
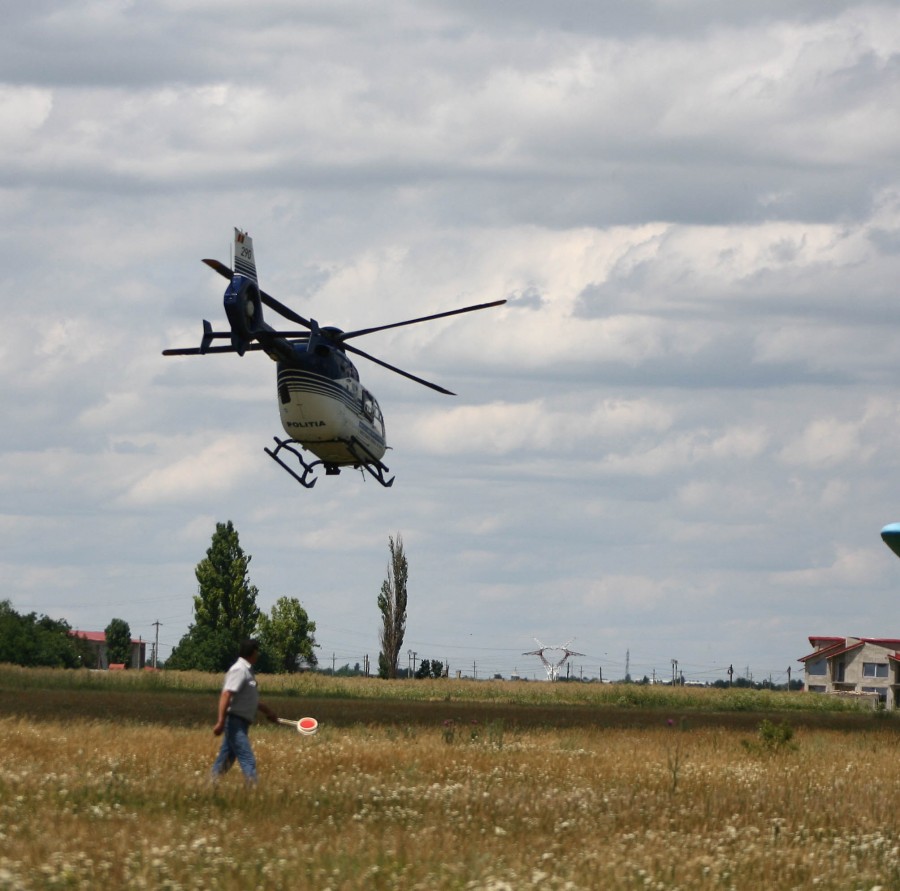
225 598
225 610
392 604
203 649
287 637
118 641
39 640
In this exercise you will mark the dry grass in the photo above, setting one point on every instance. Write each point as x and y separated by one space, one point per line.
98 803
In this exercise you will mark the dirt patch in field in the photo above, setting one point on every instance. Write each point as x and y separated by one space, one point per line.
187 708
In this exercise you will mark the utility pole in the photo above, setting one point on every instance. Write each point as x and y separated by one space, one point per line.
157 623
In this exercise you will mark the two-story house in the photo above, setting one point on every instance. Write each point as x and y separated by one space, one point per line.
97 642
860 665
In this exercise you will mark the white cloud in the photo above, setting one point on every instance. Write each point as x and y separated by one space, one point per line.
855 568
23 111
539 425
201 471
824 443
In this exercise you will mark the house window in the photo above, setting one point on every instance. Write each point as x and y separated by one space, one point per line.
881 692
816 668
816 688
875 670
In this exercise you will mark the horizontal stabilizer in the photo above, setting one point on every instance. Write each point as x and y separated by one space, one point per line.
199 351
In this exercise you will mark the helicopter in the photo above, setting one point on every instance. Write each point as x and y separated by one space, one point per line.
324 407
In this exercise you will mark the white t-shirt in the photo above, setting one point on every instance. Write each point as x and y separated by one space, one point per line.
241 683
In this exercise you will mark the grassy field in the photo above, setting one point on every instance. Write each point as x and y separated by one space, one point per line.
444 785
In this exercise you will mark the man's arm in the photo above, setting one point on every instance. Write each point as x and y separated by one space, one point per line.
224 702
268 712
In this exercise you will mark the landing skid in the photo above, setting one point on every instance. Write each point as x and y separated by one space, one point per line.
366 462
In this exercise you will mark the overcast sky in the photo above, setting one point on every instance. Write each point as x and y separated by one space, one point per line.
678 440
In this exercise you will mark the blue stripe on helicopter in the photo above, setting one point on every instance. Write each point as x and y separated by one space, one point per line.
304 382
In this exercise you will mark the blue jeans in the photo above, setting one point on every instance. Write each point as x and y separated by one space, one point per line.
235 747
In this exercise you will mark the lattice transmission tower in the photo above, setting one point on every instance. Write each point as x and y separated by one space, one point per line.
552 667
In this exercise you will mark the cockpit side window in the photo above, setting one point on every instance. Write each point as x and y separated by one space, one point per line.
372 411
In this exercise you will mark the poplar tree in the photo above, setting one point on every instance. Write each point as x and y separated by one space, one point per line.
225 610
392 603
225 599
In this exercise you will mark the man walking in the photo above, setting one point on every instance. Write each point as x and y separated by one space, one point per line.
238 704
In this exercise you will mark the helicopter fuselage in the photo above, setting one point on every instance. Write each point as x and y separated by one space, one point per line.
325 408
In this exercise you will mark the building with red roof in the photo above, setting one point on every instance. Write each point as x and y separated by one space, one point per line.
97 641
862 666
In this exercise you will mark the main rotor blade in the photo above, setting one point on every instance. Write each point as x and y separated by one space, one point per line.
412 377
438 315
221 268
267 299
283 310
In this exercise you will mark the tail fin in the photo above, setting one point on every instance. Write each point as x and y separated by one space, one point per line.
244 261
